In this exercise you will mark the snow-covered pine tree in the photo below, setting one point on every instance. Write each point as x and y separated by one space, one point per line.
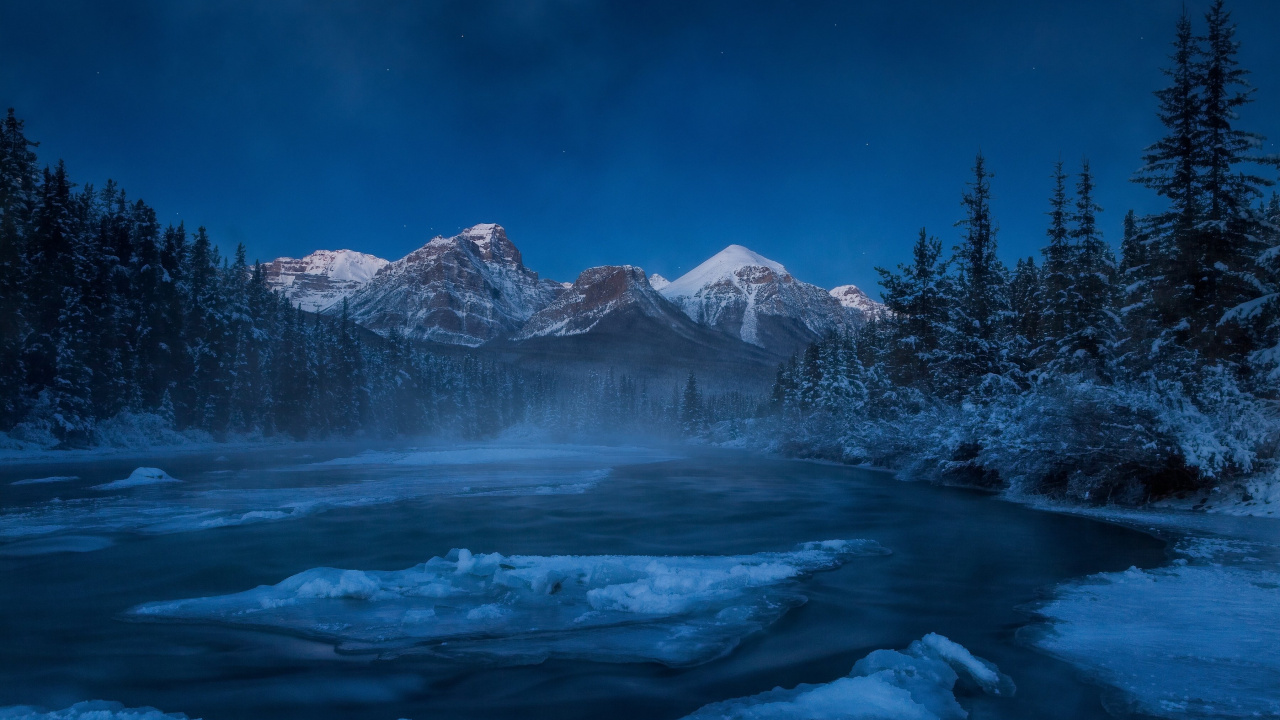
1231 231
1058 292
1025 301
917 296
1093 322
18 196
975 358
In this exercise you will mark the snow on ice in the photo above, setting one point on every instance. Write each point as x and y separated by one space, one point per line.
139 477
1186 641
524 609
917 684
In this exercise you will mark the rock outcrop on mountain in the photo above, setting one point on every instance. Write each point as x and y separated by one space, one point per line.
322 279
860 305
755 299
464 290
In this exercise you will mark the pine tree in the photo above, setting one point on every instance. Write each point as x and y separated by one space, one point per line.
1025 298
979 299
1058 299
691 410
1092 324
18 197
916 295
1170 166
1231 231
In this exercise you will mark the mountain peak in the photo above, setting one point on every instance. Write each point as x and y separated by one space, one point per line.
323 278
490 241
724 265
852 297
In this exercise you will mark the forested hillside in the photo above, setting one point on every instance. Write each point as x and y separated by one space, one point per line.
115 329
1080 375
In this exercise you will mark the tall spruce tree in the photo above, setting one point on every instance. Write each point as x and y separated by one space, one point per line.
916 295
979 300
1092 325
1058 298
18 197
1232 230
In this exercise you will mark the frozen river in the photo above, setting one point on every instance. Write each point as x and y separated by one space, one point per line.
583 582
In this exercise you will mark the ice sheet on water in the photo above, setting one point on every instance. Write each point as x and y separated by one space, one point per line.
914 684
89 710
525 608
1186 641
139 477
41 481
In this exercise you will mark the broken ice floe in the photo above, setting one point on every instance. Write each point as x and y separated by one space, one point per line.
917 684
139 477
524 608
1187 641
89 710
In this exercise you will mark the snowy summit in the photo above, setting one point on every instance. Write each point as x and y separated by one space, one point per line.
745 294
322 279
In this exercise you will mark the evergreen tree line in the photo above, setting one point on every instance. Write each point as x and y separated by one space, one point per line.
1081 374
114 329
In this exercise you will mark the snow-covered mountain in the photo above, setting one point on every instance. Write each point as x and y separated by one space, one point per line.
612 317
463 290
603 294
861 304
320 280
751 297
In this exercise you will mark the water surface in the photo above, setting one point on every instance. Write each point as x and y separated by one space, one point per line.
962 564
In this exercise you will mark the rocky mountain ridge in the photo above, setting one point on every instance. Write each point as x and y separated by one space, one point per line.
473 289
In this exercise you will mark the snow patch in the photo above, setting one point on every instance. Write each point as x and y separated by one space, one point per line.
139 477
524 609
1187 641
915 684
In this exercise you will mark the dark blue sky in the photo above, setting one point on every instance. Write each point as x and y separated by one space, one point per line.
822 135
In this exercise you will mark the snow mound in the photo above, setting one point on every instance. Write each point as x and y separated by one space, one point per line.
89 710
1188 641
40 481
657 282
917 684
139 477
723 266
522 609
